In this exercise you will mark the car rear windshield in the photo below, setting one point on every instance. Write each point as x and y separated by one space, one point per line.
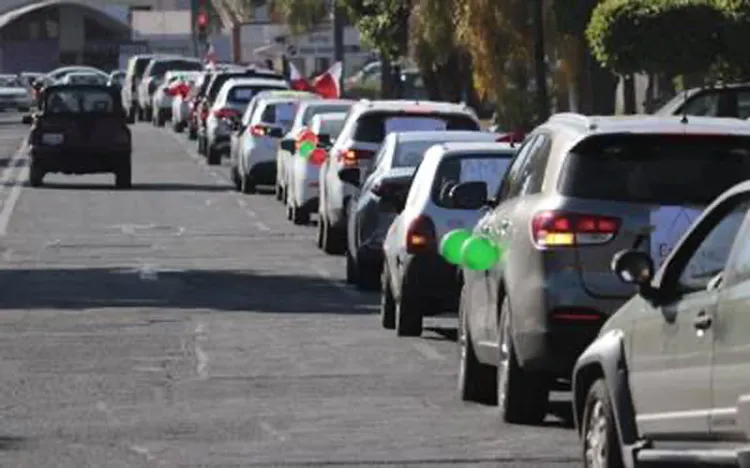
280 113
374 126
79 101
453 170
410 153
163 66
220 78
244 94
10 82
331 127
314 110
656 169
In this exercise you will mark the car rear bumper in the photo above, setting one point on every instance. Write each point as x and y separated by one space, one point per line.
434 281
78 161
554 351
263 173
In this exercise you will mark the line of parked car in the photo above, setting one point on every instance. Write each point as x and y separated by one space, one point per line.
625 265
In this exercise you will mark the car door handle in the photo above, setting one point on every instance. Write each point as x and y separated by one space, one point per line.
702 321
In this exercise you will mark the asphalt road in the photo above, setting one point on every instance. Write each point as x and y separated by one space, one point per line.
181 324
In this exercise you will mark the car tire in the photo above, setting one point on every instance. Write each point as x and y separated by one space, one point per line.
477 381
247 185
124 176
192 133
387 303
334 242
300 216
148 114
351 269
522 396
279 192
234 174
131 116
213 156
159 118
319 237
36 175
601 446
408 314
368 274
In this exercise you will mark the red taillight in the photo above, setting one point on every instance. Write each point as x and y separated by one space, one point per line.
352 157
420 237
563 229
318 156
257 130
576 315
225 113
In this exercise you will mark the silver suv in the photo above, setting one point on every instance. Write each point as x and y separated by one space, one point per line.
580 190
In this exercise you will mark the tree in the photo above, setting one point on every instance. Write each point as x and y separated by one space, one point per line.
383 24
302 15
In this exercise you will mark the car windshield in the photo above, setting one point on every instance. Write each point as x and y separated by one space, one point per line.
656 169
456 169
83 79
374 126
314 110
161 67
10 82
79 101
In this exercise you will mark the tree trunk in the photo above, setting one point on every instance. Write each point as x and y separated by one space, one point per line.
540 63
629 97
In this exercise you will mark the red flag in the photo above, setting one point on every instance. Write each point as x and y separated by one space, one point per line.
296 80
328 84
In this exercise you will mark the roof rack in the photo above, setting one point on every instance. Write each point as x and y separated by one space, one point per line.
573 118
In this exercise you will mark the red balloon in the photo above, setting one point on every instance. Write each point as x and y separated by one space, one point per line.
308 135
318 156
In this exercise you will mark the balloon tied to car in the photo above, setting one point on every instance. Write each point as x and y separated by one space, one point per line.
474 252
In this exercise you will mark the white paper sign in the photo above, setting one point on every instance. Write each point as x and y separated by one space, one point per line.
668 224
487 170
243 94
414 124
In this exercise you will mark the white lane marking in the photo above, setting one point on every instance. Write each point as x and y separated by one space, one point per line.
12 200
141 450
272 431
428 351
326 275
262 226
201 367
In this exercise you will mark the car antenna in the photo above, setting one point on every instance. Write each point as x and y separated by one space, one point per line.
684 119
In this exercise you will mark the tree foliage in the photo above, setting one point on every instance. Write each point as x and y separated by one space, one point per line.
658 36
301 15
383 24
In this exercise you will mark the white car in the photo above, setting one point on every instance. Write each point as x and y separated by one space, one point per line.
14 94
85 78
181 105
153 76
227 109
288 146
255 141
365 128
303 175
416 280
161 102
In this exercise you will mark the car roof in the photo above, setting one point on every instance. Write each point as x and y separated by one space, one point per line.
477 146
63 86
405 137
282 99
648 124
254 80
324 102
399 104
330 116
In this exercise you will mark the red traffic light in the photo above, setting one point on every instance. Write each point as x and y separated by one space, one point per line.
202 19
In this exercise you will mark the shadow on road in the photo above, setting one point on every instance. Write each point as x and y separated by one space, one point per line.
226 290
156 187
442 334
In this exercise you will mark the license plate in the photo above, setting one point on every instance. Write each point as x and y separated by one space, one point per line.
52 138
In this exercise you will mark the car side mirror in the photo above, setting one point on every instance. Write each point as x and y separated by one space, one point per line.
636 268
350 175
324 139
275 132
469 195
27 119
287 145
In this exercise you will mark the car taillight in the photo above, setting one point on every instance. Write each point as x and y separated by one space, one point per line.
257 130
352 157
420 236
225 113
564 229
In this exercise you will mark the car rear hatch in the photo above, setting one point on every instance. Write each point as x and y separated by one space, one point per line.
395 182
625 191
83 131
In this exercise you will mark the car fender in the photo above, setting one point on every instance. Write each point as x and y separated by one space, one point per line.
606 358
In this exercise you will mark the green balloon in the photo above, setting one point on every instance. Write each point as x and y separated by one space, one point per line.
480 253
451 244
306 148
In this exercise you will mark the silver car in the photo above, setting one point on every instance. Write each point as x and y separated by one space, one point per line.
579 190
390 172
14 94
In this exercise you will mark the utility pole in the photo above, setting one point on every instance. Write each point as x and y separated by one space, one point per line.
338 36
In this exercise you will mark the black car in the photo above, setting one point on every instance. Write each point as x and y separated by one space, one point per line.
80 129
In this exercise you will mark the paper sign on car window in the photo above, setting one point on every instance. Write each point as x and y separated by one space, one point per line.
487 170
285 114
668 224
413 124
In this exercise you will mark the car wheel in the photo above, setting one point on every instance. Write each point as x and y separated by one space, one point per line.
351 269
236 180
387 303
319 240
213 156
36 175
159 118
601 447
123 176
300 216
368 274
522 396
131 116
192 133
279 192
408 314
334 241
201 145
477 382
247 184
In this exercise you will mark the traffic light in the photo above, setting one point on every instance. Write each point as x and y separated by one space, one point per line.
202 25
